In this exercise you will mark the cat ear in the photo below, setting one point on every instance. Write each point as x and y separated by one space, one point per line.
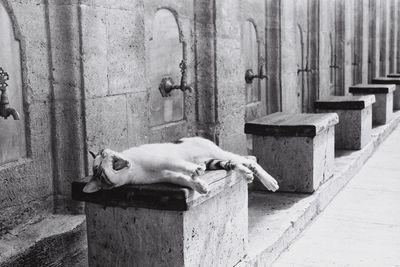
92 186
119 163
92 153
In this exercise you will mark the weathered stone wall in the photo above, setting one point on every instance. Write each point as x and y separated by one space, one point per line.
397 32
90 73
26 185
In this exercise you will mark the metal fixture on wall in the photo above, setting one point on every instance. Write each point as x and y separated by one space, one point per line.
167 84
333 64
302 68
5 111
249 75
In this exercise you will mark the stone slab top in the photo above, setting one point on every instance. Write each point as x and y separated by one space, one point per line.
162 196
386 80
372 88
349 102
393 75
287 124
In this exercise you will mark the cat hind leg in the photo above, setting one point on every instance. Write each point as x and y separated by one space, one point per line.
266 179
216 164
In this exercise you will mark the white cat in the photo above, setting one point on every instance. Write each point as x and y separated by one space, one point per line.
179 163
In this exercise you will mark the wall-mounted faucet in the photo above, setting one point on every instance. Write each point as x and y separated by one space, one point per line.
5 111
249 75
167 84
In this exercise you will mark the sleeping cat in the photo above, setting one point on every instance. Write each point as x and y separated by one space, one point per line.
178 163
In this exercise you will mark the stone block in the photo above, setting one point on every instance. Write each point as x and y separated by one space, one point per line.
296 149
355 119
396 92
65 44
125 51
166 225
382 109
393 75
106 123
94 51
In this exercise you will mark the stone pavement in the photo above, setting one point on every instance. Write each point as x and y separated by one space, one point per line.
361 226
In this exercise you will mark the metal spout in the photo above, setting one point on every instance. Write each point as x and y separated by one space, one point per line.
12 112
5 110
167 84
249 75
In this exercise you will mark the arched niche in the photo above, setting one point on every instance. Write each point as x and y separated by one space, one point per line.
12 132
250 50
165 52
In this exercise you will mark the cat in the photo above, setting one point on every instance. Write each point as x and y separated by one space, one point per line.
181 163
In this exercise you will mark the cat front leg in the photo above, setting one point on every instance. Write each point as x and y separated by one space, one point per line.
185 180
187 167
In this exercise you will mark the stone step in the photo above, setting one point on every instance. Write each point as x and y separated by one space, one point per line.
296 149
276 220
382 109
47 240
355 119
396 93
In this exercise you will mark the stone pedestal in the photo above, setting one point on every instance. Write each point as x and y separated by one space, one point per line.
355 119
166 225
396 92
393 75
382 109
296 149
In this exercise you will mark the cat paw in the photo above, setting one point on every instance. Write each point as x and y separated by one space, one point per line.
201 187
200 170
245 172
249 177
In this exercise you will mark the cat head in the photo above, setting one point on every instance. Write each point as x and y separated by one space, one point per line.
109 170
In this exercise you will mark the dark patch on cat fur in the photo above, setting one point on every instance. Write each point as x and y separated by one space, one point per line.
179 141
119 163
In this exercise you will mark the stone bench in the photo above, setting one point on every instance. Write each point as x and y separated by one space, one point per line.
382 109
167 225
396 92
355 119
296 149
393 75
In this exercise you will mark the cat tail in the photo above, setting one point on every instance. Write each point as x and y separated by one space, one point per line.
217 164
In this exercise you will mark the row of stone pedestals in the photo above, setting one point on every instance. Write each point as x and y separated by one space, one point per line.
298 149
165 225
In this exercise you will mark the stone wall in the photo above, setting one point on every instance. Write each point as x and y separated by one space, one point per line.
90 71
